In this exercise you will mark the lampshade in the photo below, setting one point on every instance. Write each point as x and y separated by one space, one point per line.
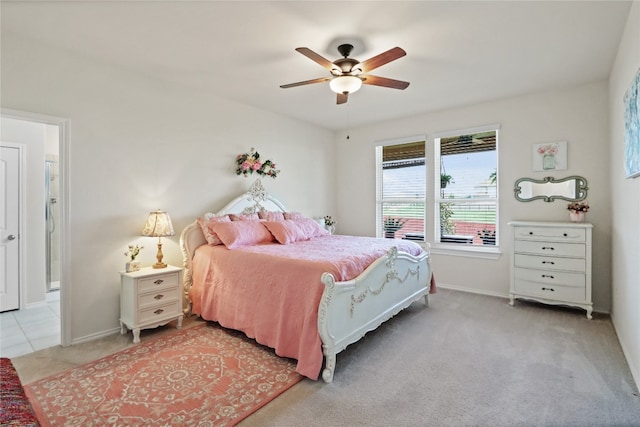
158 225
344 84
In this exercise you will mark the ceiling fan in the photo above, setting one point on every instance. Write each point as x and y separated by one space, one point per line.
348 74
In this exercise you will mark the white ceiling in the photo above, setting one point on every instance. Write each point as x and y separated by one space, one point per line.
457 52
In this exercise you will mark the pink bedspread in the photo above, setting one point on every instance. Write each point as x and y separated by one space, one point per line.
271 292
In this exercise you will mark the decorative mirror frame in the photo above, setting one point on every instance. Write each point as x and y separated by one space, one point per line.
581 188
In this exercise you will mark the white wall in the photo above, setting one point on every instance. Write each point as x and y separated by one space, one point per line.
578 115
32 136
625 203
137 145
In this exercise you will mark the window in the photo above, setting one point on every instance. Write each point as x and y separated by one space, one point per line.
466 205
401 190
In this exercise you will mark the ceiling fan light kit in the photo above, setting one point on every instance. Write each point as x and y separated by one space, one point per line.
348 74
348 84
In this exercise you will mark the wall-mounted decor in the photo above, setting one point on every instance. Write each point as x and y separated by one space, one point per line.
550 156
249 163
632 128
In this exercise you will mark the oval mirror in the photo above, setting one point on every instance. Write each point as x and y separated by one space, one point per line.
571 188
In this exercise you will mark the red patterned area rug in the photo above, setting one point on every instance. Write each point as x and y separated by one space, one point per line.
204 375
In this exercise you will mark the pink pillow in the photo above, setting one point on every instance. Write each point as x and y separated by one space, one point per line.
293 215
310 227
206 223
285 231
271 216
242 233
244 217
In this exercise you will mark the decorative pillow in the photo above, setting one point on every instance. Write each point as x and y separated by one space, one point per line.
293 215
271 216
244 217
206 221
285 231
310 227
242 233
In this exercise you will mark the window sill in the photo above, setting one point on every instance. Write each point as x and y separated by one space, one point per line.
492 252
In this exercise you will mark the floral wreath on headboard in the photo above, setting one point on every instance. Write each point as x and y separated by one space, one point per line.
250 163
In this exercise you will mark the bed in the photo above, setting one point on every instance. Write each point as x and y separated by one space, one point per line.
307 298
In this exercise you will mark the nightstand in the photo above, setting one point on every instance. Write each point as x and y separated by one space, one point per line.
150 298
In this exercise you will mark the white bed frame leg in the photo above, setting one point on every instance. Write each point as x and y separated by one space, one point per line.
330 365
426 300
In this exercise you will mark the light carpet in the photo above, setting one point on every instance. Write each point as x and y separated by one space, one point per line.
202 376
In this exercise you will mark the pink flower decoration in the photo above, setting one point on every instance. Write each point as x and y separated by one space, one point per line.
256 166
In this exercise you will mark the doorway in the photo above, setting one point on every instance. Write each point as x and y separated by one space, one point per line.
51 291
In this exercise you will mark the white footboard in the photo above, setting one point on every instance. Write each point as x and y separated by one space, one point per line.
348 310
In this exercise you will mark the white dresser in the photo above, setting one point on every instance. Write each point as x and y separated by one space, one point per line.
551 263
150 298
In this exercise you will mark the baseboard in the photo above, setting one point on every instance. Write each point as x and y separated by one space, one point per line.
471 290
633 368
95 336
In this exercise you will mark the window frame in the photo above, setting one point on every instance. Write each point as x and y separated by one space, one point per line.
454 248
379 175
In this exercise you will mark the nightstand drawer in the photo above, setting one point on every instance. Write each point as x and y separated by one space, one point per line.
550 263
550 292
551 234
158 282
159 297
576 280
161 312
551 248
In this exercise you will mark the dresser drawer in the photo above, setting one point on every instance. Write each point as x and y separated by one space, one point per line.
551 233
550 263
163 281
577 250
159 313
158 297
550 277
550 292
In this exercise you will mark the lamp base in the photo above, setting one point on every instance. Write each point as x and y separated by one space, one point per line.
159 265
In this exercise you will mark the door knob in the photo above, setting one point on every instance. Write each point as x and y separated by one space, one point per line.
11 237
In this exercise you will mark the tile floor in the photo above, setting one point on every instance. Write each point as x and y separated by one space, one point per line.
25 331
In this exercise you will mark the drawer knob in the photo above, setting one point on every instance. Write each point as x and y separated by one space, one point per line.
548 276
159 281
158 311
158 297
565 234
549 262
531 233
548 289
550 248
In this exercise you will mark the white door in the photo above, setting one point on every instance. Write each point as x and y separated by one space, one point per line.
9 237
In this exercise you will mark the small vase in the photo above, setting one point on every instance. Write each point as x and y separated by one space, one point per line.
548 161
132 265
330 228
576 216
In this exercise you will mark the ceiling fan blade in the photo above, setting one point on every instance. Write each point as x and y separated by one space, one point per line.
306 82
342 98
383 81
317 58
380 60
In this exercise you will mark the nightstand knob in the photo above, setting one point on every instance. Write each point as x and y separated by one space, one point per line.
158 311
547 276
157 282
159 296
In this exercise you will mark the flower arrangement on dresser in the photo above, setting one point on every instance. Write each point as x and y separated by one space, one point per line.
577 210
329 224
132 253
250 163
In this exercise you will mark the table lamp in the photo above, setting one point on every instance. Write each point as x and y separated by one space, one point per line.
158 225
